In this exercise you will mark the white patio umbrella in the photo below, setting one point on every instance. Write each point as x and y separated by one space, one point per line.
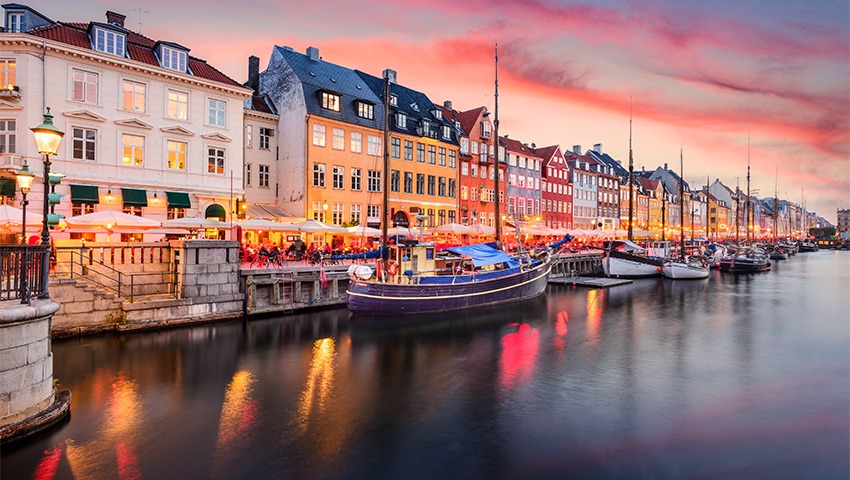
111 219
262 224
12 217
315 226
364 231
194 223
452 229
482 229
407 232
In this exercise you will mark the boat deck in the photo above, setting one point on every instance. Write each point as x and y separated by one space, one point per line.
593 282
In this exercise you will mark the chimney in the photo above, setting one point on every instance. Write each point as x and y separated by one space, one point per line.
597 147
390 75
254 74
577 149
447 104
115 18
665 166
533 145
313 53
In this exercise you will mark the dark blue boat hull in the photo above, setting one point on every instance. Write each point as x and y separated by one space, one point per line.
376 298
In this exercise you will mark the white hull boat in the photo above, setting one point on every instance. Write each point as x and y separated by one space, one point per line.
693 269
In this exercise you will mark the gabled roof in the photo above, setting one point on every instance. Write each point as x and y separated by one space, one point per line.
453 117
469 118
607 160
513 145
139 48
648 184
317 75
261 103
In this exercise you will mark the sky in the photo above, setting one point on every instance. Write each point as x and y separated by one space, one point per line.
720 81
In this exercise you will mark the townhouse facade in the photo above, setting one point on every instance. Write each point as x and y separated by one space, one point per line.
260 176
585 189
523 184
149 129
556 189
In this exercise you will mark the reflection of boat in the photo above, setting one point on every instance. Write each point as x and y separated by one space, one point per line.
624 258
416 281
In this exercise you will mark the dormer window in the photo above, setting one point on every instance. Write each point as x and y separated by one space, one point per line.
15 22
447 132
330 101
366 110
485 129
173 59
426 128
111 42
401 120
414 106
438 114
393 100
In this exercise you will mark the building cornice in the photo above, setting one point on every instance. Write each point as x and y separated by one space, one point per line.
30 41
249 113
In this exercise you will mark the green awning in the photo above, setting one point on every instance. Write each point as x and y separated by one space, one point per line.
134 197
215 211
8 187
84 194
178 200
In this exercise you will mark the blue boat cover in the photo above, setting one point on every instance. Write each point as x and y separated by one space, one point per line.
483 255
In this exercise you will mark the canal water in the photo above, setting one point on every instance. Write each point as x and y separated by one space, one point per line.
733 377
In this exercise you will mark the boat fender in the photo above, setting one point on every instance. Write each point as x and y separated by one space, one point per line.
658 269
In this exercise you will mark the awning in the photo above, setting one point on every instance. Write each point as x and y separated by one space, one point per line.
8 187
134 197
84 194
178 200
215 211
482 255
268 212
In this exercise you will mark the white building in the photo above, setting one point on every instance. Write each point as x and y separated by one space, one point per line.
149 129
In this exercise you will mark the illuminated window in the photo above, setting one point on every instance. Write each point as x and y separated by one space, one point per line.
365 110
215 160
8 73
178 105
330 101
177 155
134 149
318 135
134 96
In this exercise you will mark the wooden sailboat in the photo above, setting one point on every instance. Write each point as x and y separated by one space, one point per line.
686 267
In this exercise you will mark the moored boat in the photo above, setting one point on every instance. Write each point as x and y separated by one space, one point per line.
626 259
690 268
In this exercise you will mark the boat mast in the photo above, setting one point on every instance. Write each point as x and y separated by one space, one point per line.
682 207
631 173
386 176
707 208
737 210
776 205
497 199
747 206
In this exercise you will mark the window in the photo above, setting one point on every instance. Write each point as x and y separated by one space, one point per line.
265 137
84 140
408 150
8 74
336 214
174 212
473 194
264 176
452 159
173 59
78 209
132 210
134 149
318 212
217 113
464 192
432 154
395 151
420 184
464 145
401 120
475 148
215 160
109 42
365 110
249 136
447 132
356 179
373 211
485 129
338 180
318 135
330 101
176 155
442 162
247 174
374 146
15 22
408 182
420 152
473 170
356 142
432 183
394 100
431 217
395 181
355 213
373 181
85 86
441 186
178 107
7 137
338 139
426 128
134 96
318 174
464 169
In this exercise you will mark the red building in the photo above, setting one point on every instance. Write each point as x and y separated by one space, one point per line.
556 189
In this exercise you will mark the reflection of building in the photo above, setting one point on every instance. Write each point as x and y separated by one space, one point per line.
149 129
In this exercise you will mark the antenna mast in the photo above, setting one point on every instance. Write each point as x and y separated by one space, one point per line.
631 174
498 199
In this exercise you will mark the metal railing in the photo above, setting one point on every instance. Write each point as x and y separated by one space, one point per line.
21 272
125 285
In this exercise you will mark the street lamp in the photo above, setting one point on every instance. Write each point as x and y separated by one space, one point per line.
47 137
24 178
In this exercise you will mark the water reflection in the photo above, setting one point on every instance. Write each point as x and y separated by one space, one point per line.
519 352
317 388
239 413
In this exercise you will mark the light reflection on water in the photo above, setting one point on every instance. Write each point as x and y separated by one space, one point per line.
741 377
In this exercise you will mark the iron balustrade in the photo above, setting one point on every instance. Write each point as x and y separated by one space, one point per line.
21 268
125 285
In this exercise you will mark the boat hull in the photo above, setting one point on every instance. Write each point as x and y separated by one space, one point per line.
748 265
684 271
618 264
388 299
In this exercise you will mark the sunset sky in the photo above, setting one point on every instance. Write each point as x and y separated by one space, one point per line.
703 75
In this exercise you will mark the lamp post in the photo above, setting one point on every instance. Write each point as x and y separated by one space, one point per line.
47 137
24 178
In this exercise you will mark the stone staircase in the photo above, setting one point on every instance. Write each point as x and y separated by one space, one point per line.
84 308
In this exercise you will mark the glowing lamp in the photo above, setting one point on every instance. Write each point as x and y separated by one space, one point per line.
47 136
25 179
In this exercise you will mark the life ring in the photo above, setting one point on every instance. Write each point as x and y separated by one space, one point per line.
392 267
